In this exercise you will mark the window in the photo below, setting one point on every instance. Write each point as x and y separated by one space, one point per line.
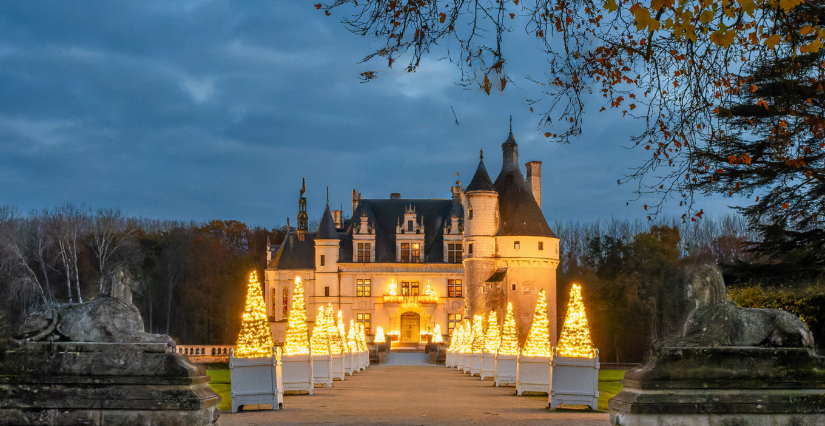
323 259
409 226
454 288
365 320
470 214
514 287
454 253
470 248
285 301
363 252
452 321
274 301
326 291
409 288
363 288
516 245
541 245
410 252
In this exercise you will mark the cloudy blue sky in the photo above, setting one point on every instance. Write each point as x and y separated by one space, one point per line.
198 110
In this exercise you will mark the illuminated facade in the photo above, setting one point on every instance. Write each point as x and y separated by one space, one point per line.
409 265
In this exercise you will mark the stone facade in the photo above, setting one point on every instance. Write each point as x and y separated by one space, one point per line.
487 245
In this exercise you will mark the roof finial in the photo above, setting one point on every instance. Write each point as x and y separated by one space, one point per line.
511 124
327 195
481 155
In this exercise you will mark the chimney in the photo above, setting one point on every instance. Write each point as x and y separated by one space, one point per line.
395 196
534 179
337 216
356 197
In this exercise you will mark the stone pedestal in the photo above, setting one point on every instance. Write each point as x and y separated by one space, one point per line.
533 375
256 381
322 370
744 386
66 383
298 377
575 381
506 369
488 365
338 367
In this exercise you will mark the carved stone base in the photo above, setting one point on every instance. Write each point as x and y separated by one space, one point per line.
747 386
103 383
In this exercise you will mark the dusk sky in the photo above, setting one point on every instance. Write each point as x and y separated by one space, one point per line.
198 110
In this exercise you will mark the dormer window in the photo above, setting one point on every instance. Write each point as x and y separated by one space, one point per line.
410 252
364 252
409 226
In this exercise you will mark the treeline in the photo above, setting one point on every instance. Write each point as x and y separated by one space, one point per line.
620 265
189 278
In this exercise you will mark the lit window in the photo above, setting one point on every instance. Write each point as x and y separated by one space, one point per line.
405 252
364 319
516 245
415 254
323 259
409 288
363 288
285 301
454 288
452 321
541 245
454 253
363 252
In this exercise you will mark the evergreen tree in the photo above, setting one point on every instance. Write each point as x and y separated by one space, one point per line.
538 339
492 339
320 336
297 342
509 334
575 335
255 338
336 344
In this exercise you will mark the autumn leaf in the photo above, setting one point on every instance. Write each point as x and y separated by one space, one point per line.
723 39
318 5
748 6
503 83
632 107
785 205
442 17
772 41
547 134
753 88
512 15
789 5
327 13
610 5
487 85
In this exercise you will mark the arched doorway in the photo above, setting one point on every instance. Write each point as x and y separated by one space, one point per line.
410 327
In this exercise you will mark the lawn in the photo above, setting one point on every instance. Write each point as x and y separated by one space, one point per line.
609 386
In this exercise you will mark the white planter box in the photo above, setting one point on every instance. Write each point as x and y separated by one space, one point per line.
488 365
256 381
506 369
322 369
448 362
533 374
466 366
575 381
459 364
338 367
297 373
475 364
362 362
347 363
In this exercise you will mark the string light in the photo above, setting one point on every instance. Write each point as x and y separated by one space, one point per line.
352 341
255 338
538 340
467 338
455 338
393 290
297 342
509 334
320 334
575 335
437 334
362 337
478 334
342 332
492 339
336 346
379 335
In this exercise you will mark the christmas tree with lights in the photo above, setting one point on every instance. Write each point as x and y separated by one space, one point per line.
336 346
343 333
575 335
379 335
478 334
255 338
362 337
538 340
320 334
437 338
509 334
352 340
492 339
297 342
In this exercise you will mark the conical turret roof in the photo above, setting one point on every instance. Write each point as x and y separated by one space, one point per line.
326 229
481 180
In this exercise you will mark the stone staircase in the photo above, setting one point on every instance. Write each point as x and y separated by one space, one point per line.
397 347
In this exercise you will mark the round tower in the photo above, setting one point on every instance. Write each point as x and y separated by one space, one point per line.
480 226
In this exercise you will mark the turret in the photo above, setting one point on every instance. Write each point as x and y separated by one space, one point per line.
327 245
481 213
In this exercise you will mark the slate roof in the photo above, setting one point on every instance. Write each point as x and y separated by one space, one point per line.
498 276
295 254
326 229
383 215
481 180
519 213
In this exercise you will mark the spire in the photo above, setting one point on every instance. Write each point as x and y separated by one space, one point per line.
326 229
302 212
511 124
481 180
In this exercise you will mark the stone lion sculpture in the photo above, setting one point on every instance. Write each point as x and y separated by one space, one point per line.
712 320
110 317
